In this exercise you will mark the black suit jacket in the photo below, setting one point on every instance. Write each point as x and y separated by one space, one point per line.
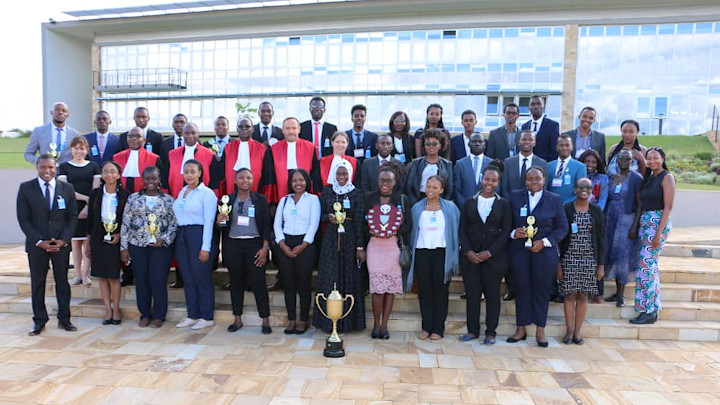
217 167
546 139
368 143
262 215
457 148
163 162
492 235
151 138
257 134
497 145
38 222
306 133
369 177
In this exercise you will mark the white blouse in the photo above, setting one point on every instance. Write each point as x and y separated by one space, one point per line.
484 206
431 230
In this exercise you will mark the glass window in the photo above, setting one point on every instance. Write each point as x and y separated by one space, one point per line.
492 106
643 106
661 106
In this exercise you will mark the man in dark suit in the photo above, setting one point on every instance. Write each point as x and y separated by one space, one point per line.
584 137
502 142
103 144
460 144
264 131
369 177
217 146
514 176
317 131
362 142
53 137
468 171
47 214
172 142
153 139
546 130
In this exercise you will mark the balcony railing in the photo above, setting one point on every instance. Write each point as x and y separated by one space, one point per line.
135 80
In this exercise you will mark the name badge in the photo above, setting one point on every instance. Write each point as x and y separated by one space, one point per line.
327 143
400 157
243 220
618 188
579 152
114 202
358 153
433 219
367 154
61 203
148 146
94 151
251 211
568 180
557 182
523 211
181 205
293 211
346 203
574 227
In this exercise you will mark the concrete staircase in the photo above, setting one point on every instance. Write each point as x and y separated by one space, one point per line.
690 275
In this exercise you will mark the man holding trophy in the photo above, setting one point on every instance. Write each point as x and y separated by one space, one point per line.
539 224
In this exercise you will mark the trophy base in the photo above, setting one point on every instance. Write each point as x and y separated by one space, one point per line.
333 349
528 245
222 224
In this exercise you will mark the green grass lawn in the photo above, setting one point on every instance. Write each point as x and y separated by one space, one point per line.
676 144
11 153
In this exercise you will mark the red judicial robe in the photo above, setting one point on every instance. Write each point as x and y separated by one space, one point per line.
145 159
326 165
306 159
176 181
261 165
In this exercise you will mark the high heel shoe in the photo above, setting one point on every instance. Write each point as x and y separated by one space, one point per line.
515 340
542 344
645 318
384 334
375 334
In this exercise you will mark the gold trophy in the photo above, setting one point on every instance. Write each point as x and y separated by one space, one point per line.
152 229
334 304
530 230
339 216
53 150
224 208
110 226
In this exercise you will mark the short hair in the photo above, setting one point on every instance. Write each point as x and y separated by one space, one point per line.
222 117
391 126
358 107
199 166
526 131
179 115
384 135
57 103
304 174
565 136
466 112
141 108
535 167
267 103
391 167
150 169
243 169
45 156
318 98
291 118
80 140
588 108
440 178
190 124
245 118
510 105
600 162
339 133
142 131
102 112
437 134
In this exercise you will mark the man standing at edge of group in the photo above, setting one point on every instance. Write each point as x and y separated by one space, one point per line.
317 131
172 142
264 131
103 144
55 133
47 214
502 142
584 137
460 144
546 130
153 140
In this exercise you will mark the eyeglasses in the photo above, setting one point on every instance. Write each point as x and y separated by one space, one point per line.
244 126
317 106
511 113
624 159
432 144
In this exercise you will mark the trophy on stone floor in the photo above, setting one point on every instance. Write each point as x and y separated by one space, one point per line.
530 230
53 150
224 208
339 217
110 226
152 228
334 304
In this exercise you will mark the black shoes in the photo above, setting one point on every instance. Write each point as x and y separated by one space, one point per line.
266 330
234 327
515 340
646 318
67 326
542 344
509 296
36 330
375 334
620 302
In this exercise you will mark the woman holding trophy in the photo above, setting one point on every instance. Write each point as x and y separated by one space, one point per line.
105 212
539 224
342 248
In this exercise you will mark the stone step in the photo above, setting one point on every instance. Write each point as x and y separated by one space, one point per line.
691 250
408 322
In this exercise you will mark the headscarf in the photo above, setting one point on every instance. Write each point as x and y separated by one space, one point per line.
336 163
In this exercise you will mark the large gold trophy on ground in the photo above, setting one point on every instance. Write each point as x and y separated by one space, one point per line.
334 303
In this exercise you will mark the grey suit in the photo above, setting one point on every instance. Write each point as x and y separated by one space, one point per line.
597 142
497 144
41 139
511 179
369 174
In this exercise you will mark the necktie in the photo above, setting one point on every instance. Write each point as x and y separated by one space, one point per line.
524 168
476 167
48 203
101 145
316 139
560 169
58 139
221 145
265 134
179 143
535 127
358 142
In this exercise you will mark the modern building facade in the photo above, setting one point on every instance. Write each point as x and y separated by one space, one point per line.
648 61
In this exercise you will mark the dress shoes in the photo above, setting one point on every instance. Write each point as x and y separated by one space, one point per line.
276 286
375 334
467 338
156 323
646 318
515 340
36 330
233 327
107 321
144 322
509 296
578 340
463 296
266 330
612 298
116 321
542 344
620 302
489 340
67 326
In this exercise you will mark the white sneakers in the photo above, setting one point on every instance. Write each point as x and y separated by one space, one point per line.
75 281
195 323
201 323
186 322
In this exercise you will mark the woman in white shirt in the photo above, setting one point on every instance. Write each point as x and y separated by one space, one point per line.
195 212
296 222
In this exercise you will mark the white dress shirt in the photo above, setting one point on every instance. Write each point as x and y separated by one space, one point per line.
431 230
484 206
108 204
243 158
466 142
302 218
292 155
189 154
529 162
535 125
52 189
132 165
177 138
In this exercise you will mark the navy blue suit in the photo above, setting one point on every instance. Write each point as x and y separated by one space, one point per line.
534 273
465 185
112 146
545 139
457 148
368 143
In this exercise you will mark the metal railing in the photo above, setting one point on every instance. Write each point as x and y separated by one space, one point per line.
149 79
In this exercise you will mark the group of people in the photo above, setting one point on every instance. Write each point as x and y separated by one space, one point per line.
383 213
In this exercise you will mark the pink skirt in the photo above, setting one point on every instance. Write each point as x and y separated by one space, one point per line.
383 263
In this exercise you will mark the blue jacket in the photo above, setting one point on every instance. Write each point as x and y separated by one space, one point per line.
452 225
112 144
550 218
465 185
573 171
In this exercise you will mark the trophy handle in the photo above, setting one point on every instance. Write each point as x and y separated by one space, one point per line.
317 302
352 303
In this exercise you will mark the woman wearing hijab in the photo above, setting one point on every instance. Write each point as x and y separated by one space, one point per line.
342 248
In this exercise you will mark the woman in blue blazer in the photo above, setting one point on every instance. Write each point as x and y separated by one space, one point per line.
533 264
